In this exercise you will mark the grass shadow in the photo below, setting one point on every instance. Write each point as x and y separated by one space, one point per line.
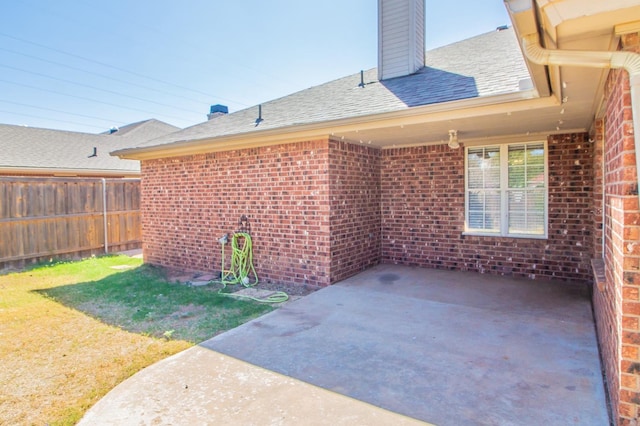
140 299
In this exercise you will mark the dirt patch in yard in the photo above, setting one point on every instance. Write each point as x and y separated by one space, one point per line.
187 311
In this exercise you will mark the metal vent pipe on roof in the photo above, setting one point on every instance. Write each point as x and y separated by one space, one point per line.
630 61
259 119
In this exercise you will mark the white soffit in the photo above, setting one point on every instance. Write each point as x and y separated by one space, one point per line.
567 20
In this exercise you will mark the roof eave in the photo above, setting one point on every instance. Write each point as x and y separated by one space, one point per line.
474 107
523 19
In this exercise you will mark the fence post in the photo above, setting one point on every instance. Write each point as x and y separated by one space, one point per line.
104 214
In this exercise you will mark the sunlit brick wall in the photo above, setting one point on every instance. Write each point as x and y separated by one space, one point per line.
189 202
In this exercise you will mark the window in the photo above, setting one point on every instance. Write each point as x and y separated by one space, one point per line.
506 190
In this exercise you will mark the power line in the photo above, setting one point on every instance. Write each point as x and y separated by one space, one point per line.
164 92
62 112
111 66
150 28
51 119
113 92
91 100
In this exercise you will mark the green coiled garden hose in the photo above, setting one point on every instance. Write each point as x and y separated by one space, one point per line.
241 270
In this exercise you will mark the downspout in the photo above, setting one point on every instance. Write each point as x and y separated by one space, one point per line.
104 215
630 61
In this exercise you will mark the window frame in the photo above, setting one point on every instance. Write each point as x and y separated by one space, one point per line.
504 192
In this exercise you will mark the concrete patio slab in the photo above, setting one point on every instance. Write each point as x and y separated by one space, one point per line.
203 387
448 348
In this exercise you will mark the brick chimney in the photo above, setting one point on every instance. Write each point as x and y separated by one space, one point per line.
400 37
217 110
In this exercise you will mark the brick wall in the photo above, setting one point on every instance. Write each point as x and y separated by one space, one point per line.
617 305
323 210
598 188
423 215
189 202
423 206
606 303
355 208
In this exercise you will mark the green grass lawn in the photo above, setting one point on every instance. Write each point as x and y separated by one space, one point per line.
141 300
72 331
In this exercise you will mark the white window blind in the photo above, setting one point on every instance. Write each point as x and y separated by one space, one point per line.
506 190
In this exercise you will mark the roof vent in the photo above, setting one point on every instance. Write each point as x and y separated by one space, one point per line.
217 110
259 119
502 28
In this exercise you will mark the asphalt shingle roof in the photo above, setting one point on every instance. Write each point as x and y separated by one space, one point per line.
145 130
30 147
486 65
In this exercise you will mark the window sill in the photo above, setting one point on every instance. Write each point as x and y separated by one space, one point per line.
515 236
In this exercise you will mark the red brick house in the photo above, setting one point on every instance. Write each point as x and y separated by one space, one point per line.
510 153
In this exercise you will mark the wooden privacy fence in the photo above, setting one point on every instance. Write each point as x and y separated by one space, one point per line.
45 218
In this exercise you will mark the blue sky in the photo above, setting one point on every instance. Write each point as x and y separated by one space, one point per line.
87 65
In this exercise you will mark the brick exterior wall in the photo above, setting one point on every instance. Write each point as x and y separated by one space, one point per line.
354 172
321 211
598 188
313 208
617 305
423 215
423 206
189 202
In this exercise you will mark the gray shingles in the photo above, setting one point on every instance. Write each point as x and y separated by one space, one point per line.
29 147
486 65
145 130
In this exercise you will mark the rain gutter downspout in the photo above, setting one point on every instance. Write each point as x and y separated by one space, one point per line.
630 61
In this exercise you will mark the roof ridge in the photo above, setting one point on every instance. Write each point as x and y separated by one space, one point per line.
44 129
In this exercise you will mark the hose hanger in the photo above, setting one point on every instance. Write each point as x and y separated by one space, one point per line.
244 227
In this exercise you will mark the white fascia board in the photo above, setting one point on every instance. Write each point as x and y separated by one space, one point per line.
475 107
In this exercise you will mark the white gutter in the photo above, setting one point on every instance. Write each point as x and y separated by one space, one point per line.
629 61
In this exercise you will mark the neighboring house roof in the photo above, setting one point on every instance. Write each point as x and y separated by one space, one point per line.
449 75
29 150
144 130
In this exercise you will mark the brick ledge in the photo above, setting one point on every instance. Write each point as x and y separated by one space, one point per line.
597 266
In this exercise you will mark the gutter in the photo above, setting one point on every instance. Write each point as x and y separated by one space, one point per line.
629 61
